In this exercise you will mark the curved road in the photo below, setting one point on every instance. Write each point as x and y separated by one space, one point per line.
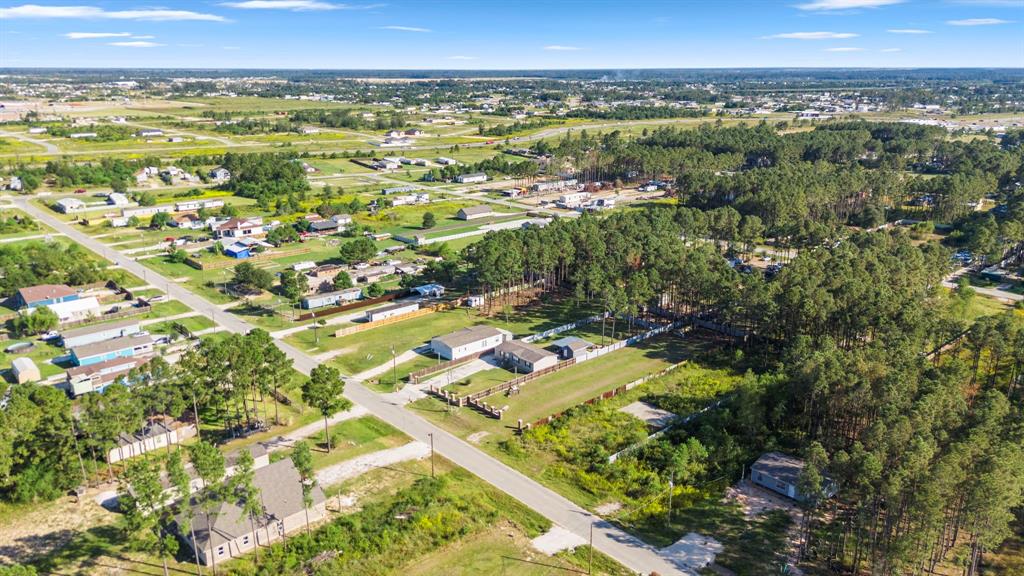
50 148
623 547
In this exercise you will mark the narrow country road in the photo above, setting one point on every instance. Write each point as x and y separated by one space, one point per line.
50 148
616 543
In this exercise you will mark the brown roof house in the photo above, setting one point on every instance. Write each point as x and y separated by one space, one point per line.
230 533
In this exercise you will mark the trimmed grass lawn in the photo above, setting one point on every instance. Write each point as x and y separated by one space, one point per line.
480 381
192 324
558 391
42 353
350 439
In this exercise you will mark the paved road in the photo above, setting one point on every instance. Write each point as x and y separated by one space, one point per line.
950 282
627 549
50 148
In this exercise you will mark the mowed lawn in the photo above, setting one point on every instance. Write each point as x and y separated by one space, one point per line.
559 391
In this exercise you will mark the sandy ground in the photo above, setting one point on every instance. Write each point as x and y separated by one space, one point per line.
652 416
755 500
356 466
42 528
692 551
555 540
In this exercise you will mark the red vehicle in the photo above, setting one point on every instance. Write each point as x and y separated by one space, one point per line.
80 191
490 141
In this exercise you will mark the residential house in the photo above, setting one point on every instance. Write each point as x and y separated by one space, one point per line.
117 199
220 174
414 132
472 178
149 132
228 533
188 221
573 200
374 274
99 333
474 212
523 357
781 473
75 310
397 190
143 211
544 187
446 161
391 311
336 298
429 290
468 341
129 346
240 228
188 205
157 434
15 185
69 205
25 370
321 278
96 377
44 294
330 225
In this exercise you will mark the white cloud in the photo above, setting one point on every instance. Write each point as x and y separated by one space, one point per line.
143 37
90 35
813 35
908 31
844 49
561 48
977 22
463 58
892 50
296 5
406 28
135 44
846 4
93 12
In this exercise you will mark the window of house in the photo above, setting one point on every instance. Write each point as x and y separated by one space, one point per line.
245 539
220 551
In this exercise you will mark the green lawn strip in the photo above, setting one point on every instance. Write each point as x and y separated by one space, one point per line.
42 353
191 323
480 381
566 388
350 439
386 382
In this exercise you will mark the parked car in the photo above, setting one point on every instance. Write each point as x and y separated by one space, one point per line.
80 191
51 335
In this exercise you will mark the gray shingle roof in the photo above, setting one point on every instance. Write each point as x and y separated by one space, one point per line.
467 336
520 349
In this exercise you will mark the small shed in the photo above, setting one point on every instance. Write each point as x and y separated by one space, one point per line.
25 370
429 290
571 347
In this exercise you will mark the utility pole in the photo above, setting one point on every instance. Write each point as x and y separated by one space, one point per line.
431 434
590 560
671 489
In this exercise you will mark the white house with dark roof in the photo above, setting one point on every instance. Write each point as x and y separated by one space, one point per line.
523 357
474 212
780 473
468 341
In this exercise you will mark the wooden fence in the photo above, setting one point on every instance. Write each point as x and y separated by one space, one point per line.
415 377
125 313
323 312
611 393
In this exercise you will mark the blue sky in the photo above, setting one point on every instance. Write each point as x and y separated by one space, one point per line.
497 34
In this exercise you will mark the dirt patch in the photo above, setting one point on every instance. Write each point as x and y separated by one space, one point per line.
476 437
608 508
755 500
41 528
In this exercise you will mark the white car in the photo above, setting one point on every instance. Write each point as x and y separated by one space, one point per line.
51 335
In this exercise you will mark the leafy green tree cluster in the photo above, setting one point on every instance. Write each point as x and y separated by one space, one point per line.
31 263
264 177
